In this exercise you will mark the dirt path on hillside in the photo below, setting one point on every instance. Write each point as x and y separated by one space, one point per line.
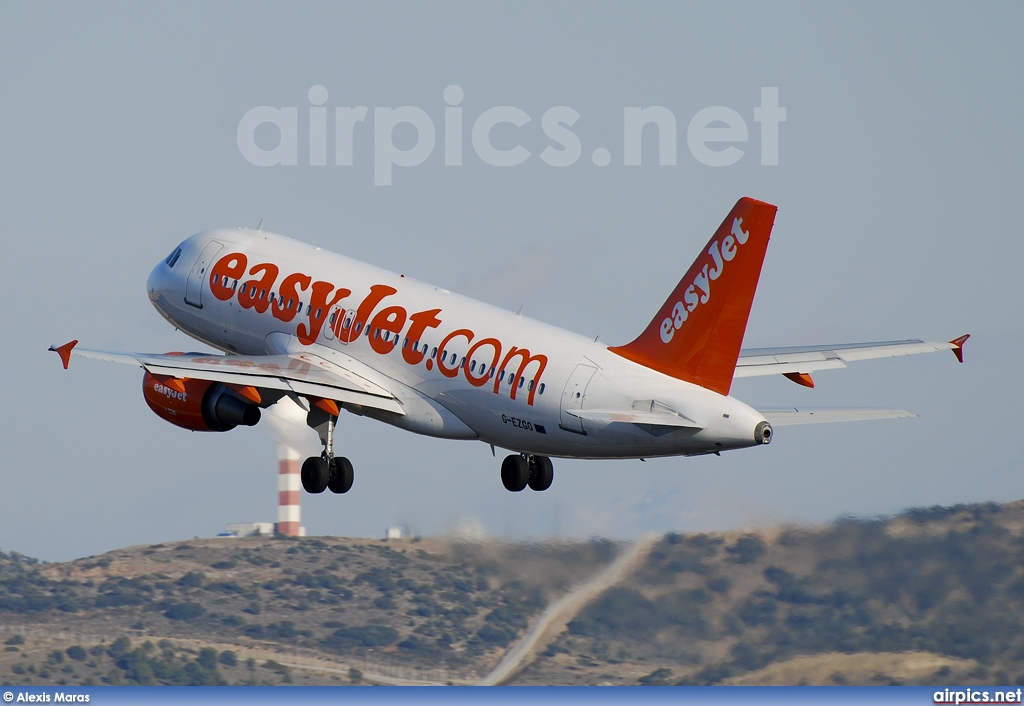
560 613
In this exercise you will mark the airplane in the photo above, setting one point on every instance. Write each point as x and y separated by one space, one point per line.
332 334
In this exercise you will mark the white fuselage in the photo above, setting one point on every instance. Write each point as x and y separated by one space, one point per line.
503 379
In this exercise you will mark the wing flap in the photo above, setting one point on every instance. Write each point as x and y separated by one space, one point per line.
791 416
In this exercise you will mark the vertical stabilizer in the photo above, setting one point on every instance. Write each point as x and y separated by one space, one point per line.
697 333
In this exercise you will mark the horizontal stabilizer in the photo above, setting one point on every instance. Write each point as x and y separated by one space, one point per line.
807 359
790 416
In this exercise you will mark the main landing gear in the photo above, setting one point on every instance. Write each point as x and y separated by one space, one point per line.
521 470
327 471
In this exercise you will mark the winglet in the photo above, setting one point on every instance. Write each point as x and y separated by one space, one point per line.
64 351
958 346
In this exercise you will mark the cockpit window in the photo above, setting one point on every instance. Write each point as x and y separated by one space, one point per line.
173 257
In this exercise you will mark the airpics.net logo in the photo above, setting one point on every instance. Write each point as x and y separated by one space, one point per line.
715 136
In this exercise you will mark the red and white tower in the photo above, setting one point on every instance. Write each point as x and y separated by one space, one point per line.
288 489
286 420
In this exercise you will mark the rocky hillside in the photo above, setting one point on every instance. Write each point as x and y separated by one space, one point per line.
931 596
938 592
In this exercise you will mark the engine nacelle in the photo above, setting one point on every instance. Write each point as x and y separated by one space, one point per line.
199 405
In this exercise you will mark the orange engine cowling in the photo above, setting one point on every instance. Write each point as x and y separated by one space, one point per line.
199 405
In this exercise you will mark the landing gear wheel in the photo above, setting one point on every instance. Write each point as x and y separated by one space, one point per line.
341 475
515 473
542 472
315 475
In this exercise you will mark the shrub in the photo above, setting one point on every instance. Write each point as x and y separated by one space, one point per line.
747 548
365 636
184 611
207 658
193 579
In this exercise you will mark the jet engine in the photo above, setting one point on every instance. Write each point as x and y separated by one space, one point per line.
198 405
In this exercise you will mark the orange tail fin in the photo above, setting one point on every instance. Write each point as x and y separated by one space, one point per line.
697 333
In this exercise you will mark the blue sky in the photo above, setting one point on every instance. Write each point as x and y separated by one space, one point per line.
899 162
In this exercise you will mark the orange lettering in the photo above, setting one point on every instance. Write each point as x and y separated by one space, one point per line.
377 293
228 267
318 308
421 321
390 320
288 293
524 360
480 380
255 294
443 348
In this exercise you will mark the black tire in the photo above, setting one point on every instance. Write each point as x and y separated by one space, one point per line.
515 473
341 475
315 475
542 472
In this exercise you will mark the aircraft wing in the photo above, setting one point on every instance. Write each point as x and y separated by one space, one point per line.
796 362
791 415
299 373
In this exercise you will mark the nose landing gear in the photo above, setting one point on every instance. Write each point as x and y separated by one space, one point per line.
521 470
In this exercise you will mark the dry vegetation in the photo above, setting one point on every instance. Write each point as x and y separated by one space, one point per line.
933 596
417 610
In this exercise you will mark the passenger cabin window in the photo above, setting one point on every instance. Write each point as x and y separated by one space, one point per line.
540 390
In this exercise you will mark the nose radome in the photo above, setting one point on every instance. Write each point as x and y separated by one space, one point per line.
161 279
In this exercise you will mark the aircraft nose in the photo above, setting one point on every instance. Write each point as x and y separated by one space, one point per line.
161 278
